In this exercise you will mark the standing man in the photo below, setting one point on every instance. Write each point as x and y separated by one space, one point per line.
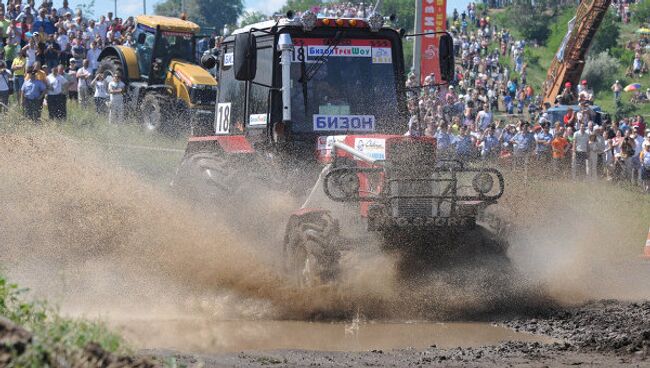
83 84
543 140
93 57
580 151
56 94
5 87
617 88
523 144
33 91
116 89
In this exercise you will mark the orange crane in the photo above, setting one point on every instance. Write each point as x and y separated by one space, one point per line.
569 61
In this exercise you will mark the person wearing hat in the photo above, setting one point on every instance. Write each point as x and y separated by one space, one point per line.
567 97
33 91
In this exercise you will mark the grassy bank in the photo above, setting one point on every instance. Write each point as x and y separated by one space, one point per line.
55 341
539 59
153 156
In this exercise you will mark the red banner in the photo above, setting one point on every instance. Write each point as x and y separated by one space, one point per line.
434 17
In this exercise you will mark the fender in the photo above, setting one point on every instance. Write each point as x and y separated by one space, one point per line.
128 59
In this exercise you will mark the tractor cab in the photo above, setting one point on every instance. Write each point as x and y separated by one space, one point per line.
159 40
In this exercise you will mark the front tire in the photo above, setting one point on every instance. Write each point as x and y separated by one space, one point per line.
310 253
152 112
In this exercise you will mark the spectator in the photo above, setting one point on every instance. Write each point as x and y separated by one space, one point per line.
522 146
116 89
543 140
580 151
617 88
72 82
5 87
560 146
33 91
83 87
18 67
101 93
645 168
56 94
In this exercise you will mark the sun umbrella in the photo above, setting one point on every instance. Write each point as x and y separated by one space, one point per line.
643 31
632 87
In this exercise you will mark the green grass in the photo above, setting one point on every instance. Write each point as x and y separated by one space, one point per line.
54 337
125 144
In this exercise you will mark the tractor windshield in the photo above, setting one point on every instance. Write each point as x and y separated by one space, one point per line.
343 86
176 45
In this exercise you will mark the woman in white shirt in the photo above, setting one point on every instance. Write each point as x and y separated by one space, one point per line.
101 93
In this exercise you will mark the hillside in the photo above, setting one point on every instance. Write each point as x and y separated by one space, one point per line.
539 59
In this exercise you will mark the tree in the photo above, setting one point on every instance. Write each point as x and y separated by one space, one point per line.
641 12
530 21
168 8
403 9
300 5
606 37
251 17
207 13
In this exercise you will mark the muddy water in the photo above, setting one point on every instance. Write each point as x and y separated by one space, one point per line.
206 336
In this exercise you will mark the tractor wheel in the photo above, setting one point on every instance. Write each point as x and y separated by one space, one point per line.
206 174
152 112
111 65
310 252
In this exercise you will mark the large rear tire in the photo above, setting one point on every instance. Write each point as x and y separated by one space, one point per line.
310 252
110 66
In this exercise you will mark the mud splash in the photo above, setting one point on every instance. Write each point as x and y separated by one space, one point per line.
100 240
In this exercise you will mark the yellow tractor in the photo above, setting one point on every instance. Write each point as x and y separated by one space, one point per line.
167 91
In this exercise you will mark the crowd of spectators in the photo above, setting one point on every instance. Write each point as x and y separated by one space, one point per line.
49 56
491 112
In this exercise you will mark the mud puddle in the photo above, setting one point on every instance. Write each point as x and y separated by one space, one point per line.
209 336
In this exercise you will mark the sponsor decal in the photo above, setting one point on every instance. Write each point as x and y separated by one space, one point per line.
382 55
324 145
373 147
228 59
309 49
357 123
257 119
341 51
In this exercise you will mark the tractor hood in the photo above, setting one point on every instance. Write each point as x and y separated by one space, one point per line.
191 74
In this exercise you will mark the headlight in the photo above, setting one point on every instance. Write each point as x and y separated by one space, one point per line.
483 183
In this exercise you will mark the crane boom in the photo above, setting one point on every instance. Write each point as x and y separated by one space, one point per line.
569 61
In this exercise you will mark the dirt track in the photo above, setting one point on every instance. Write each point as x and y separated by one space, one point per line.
605 333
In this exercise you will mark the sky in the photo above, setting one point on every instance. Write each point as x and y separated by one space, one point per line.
127 8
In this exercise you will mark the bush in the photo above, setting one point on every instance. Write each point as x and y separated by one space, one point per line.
623 55
601 71
641 12
529 21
